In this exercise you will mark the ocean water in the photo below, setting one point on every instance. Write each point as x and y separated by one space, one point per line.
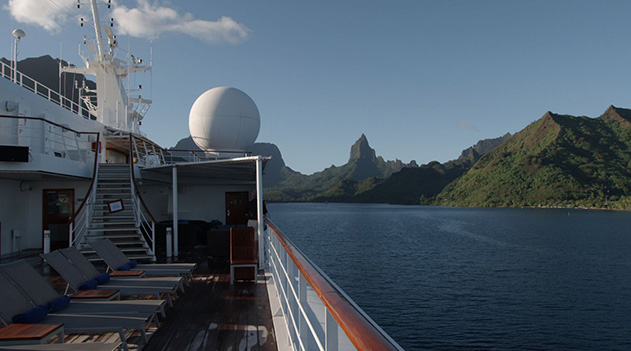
476 279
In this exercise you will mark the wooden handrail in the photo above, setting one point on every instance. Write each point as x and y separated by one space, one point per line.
360 330
97 153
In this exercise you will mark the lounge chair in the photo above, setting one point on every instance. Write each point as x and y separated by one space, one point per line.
90 272
40 292
75 279
14 302
115 258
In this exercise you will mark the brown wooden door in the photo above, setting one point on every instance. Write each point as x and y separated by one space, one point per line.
236 208
58 208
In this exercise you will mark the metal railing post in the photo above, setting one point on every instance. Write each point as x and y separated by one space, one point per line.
70 234
330 331
303 329
46 247
153 240
169 237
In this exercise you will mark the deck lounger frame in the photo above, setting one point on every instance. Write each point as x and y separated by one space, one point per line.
39 291
14 302
115 258
75 278
90 272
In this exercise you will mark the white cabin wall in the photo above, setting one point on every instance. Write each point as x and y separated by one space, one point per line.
194 202
15 213
203 202
156 198
23 207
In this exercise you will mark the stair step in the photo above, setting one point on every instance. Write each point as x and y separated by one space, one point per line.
112 229
113 185
113 237
138 243
115 224
126 201
115 216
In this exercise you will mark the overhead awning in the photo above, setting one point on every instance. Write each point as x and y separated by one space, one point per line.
241 170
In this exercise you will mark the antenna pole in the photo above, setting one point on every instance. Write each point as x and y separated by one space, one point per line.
151 70
61 53
97 29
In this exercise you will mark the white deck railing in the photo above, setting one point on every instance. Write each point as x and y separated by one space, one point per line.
318 314
46 137
38 88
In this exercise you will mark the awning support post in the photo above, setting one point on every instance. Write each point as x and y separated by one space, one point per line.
175 214
259 210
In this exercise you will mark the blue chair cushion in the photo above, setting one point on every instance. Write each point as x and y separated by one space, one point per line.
31 316
58 304
133 263
124 267
102 278
89 285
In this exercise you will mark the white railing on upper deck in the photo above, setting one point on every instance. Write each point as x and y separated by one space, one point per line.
46 137
38 88
183 155
318 314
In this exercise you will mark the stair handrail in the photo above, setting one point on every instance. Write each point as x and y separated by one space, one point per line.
141 210
76 232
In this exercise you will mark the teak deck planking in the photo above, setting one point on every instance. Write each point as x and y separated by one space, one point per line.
210 315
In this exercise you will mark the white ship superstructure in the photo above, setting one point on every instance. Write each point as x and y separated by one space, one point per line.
74 172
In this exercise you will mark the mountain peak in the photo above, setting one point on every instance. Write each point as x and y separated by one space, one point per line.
617 114
362 150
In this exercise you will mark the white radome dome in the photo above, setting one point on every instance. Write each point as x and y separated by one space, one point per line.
224 119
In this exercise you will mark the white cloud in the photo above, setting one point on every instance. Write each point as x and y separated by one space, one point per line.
45 13
151 20
146 20
467 126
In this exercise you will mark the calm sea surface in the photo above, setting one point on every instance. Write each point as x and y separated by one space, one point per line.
462 278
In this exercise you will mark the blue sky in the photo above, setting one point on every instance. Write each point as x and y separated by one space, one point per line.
422 79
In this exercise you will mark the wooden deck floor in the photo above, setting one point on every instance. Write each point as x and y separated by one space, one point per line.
210 315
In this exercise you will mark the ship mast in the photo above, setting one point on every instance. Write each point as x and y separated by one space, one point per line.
110 103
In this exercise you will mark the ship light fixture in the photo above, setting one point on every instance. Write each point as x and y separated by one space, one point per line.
17 34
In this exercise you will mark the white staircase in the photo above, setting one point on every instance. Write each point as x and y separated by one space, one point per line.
114 184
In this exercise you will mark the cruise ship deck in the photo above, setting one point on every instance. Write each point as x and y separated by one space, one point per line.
210 315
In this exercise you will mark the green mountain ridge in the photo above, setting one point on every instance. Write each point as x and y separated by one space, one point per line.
558 160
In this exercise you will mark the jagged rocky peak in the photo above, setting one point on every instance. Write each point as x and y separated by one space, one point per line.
617 114
482 147
362 150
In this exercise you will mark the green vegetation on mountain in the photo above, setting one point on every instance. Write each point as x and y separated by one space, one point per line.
558 160
410 186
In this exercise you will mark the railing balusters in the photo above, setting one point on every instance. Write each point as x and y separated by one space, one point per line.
293 275
25 82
